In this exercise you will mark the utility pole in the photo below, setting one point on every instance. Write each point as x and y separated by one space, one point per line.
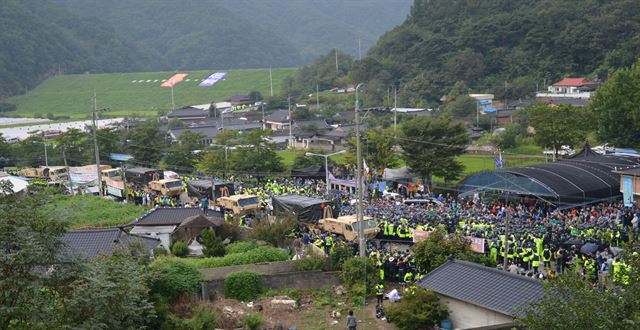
95 144
359 48
395 108
64 157
271 81
264 124
336 49
317 97
46 158
361 241
290 122
173 102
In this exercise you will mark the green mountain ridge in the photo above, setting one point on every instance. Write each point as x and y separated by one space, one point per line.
39 39
486 45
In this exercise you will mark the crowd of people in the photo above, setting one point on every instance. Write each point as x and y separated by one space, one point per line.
541 241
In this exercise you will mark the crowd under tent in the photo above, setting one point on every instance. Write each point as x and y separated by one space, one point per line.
584 178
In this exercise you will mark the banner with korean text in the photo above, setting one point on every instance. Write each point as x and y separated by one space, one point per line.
174 80
212 79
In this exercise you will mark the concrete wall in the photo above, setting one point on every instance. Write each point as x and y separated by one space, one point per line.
467 316
294 280
264 268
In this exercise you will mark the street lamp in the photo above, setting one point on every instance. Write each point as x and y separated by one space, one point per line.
326 164
359 214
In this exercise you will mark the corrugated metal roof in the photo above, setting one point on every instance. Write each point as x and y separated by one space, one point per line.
482 286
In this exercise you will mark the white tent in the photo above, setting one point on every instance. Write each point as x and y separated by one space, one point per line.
19 185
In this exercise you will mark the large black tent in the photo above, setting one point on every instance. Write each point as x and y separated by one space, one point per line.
307 209
313 172
198 188
582 179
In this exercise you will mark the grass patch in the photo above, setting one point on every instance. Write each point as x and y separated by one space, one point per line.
89 211
70 95
288 156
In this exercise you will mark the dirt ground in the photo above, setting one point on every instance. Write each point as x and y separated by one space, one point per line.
317 310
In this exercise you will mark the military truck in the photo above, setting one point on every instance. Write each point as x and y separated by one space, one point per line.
54 173
167 187
240 205
348 226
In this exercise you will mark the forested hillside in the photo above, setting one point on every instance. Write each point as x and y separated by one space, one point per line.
38 39
204 34
489 42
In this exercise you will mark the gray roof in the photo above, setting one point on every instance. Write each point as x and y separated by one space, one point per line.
169 216
212 131
317 123
187 112
90 244
278 116
482 286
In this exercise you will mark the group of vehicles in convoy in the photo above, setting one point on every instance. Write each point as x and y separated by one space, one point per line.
220 194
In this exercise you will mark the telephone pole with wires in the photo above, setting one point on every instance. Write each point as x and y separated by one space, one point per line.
95 143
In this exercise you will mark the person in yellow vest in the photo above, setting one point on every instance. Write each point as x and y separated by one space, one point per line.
380 293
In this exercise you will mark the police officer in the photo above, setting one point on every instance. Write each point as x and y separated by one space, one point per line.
380 293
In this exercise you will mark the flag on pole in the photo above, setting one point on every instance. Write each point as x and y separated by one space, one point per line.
498 162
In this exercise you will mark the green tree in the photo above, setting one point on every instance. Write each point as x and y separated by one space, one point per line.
302 161
75 143
615 106
147 144
255 156
378 148
360 271
556 126
433 251
430 145
180 156
111 293
30 245
419 310
570 302
212 244
507 139
174 278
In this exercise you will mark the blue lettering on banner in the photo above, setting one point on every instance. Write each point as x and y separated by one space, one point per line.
212 79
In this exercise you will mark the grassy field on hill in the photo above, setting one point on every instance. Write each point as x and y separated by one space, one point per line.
70 95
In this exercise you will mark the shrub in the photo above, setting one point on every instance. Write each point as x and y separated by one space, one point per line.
253 321
274 233
212 245
159 251
259 254
419 310
243 286
310 262
341 252
360 270
358 294
174 277
240 247
180 249
230 230
203 319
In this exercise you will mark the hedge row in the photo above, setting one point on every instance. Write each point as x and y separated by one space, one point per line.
240 247
259 254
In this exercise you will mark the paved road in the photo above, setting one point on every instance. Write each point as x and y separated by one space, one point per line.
22 132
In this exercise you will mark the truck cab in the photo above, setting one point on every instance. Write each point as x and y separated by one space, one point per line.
348 226
239 204
168 187
112 173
